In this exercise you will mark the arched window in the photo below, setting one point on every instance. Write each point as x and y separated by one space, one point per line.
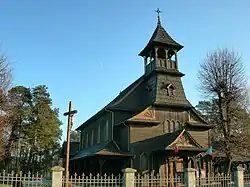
178 125
143 162
173 126
168 126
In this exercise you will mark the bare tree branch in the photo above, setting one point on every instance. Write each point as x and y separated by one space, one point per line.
5 82
222 78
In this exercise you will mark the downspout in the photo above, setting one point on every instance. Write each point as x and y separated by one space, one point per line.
112 122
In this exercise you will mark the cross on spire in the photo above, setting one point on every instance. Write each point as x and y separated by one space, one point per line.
158 11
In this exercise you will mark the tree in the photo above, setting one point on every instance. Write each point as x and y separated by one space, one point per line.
5 74
44 130
5 81
222 79
19 114
74 136
35 128
210 112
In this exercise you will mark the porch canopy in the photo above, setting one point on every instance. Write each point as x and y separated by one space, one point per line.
109 149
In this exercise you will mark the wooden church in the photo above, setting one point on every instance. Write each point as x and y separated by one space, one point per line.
150 125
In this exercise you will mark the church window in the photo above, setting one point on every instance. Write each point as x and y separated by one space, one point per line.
92 138
106 131
172 126
87 139
99 134
178 125
168 126
143 162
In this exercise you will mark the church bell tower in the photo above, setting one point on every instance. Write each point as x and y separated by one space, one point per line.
161 51
161 68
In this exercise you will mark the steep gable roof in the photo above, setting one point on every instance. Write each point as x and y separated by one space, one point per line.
130 101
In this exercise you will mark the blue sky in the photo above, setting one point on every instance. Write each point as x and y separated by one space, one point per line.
87 51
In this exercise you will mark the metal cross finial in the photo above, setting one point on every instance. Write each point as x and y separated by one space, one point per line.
158 11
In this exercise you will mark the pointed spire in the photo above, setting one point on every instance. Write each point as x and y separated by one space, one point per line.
158 11
160 36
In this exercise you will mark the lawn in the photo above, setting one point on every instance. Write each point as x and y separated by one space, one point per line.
5 185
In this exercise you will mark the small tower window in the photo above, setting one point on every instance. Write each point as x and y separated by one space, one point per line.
171 90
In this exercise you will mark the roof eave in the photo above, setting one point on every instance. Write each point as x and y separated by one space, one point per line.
95 116
144 52
186 106
200 125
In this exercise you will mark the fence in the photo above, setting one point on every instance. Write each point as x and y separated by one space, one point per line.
247 180
129 178
94 181
155 180
214 181
22 180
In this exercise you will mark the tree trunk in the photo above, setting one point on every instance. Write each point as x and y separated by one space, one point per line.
29 160
229 166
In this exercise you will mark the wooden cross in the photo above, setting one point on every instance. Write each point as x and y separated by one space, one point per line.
70 115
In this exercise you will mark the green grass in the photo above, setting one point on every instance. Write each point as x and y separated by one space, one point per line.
9 185
5 185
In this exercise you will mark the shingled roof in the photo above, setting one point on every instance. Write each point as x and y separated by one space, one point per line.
167 141
119 102
160 36
107 149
